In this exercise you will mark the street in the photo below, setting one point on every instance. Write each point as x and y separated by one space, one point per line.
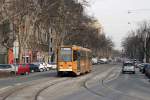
105 82
26 78
74 50
129 87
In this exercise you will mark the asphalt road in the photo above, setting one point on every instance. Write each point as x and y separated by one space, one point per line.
114 86
105 82
11 81
131 86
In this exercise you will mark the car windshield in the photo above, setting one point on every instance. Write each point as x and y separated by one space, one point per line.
5 66
144 65
65 54
128 64
33 65
16 65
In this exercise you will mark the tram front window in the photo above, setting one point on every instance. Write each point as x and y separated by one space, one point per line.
66 54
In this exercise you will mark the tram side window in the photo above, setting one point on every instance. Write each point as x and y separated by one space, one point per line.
89 55
75 55
82 54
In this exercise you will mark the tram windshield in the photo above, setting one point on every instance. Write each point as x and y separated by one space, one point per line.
65 54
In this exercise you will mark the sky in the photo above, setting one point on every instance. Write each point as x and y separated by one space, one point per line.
114 17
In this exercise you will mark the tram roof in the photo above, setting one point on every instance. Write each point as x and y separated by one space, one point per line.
75 47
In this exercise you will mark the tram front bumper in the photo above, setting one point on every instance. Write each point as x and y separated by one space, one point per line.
65 70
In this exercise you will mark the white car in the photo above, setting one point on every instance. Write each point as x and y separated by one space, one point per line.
42 66
128 67
94 61
104 60
52 65
8 68
48 66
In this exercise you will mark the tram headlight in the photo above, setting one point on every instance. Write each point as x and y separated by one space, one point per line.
61 67
70 67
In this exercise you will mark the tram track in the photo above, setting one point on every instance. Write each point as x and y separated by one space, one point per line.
90 90
46 87
103 83
59 82
85 83
6 95
83 80
9 93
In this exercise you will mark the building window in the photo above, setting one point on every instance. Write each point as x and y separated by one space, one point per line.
51 49
51 40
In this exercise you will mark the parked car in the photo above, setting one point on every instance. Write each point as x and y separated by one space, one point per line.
53 65
7 68
138 66
147 71
143 67
128 67
94 61
104 60
101 62
33 68
22 69
48 66
41 66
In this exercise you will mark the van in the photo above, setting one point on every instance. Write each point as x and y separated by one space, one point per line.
128 67
22 69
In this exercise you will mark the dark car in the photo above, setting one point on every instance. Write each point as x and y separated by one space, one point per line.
147 71
138 66
143 67
33 68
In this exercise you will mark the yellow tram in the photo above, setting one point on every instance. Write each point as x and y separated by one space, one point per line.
73 60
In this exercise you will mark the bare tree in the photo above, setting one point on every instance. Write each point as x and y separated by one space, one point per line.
137 44
34 22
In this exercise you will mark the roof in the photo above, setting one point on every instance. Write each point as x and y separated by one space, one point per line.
75 47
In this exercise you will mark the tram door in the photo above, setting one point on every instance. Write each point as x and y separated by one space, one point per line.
78 61
76 58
